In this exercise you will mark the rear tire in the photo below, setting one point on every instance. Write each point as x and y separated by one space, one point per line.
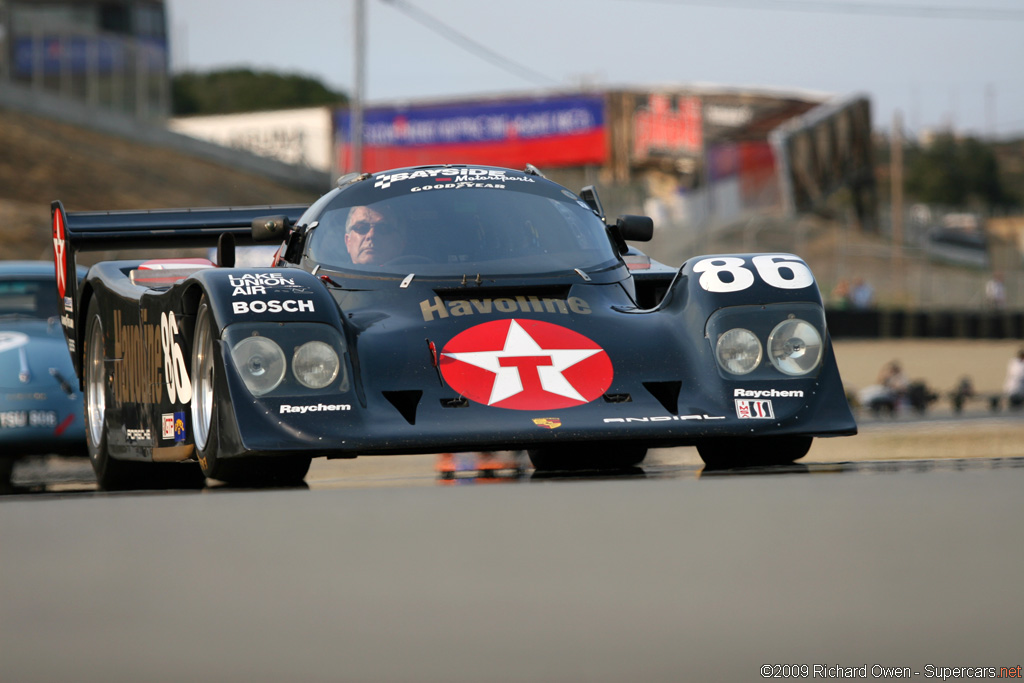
251 471
768 451
6 468
599 456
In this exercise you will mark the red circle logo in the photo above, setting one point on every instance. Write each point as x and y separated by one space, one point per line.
525 365
59 251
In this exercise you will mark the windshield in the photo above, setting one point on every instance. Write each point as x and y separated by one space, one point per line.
31 297
458 221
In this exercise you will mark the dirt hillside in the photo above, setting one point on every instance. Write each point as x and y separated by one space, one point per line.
43 160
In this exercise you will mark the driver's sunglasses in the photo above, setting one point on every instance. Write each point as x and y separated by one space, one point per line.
363 227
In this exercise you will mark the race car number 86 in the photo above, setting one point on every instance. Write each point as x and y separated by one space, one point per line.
179 387
731 274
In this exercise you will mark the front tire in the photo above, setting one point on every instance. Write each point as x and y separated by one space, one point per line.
250 471
768 451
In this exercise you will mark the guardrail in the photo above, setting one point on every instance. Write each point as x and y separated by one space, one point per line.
888 324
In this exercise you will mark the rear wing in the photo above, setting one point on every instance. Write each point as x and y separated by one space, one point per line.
84 231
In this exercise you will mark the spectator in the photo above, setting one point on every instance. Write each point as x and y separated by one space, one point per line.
963 391
841 295
862 296
995 291
1014 385
895 382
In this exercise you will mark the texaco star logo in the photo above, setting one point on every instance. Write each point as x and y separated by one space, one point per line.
525 365
58 252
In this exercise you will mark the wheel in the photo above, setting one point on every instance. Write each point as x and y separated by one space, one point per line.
736 452
6 467
113 474
253 471
598 456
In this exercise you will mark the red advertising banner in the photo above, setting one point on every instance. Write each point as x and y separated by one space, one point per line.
552 132
659 128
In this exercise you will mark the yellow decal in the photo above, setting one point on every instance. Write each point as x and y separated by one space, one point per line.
136 376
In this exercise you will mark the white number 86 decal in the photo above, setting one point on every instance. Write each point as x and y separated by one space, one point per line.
768 266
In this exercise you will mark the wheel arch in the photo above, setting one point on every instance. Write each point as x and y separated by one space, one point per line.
78 356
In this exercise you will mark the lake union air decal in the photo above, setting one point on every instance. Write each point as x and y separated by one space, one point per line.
525 365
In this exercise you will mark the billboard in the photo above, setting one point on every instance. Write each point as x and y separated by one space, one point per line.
294 136
827 149
659 128
553 132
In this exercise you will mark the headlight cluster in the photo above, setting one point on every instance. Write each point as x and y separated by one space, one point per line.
263 364
315 364
794 346
260 362
738 351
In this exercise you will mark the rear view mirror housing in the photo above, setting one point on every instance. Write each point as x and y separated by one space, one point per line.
633 228
270 228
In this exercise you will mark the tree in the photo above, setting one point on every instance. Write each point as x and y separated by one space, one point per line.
241 90
956 172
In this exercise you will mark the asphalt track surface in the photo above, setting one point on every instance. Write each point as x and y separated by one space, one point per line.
381 570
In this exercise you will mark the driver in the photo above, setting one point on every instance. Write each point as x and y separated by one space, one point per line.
373 235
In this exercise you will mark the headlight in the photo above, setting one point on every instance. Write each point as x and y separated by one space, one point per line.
738 351
315 364
794 347
260 362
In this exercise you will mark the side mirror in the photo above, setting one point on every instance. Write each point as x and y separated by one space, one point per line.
635 228
269 228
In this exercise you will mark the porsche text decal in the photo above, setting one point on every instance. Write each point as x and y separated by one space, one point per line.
137 434
521 304
525 365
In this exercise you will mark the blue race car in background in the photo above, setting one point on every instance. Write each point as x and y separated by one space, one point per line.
40 405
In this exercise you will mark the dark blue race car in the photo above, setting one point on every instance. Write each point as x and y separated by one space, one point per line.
40 402
436 309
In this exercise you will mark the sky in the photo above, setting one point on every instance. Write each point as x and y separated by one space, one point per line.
937 64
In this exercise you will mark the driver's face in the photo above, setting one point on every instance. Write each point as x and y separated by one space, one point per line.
371 238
